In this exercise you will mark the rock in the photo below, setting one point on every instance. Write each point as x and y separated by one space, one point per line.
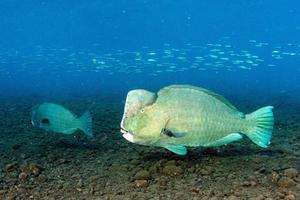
232 197
142 175
35 169
204 172
135 162
41 179
23 176
260 197
10 167
290 197
246 184
2 192
291 172
285 182
141 183
172 170
170 163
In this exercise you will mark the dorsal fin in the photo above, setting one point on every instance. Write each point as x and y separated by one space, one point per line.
215 95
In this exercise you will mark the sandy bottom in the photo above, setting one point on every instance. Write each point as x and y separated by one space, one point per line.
39 165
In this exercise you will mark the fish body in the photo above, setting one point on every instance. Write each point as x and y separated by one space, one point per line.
56 118
184 115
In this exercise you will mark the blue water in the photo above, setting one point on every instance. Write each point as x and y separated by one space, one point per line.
87 54
38 36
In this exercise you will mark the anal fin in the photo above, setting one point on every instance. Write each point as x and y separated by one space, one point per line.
177 149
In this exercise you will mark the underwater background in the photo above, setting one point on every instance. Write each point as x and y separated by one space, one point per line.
86 55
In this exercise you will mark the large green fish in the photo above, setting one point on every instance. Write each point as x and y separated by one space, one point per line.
183 115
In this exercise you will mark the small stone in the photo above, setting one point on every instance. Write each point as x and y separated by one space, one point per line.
246 184
232 197
285 182
172 171
142 175
79 183
41 178
10 167
2 192
204 172
291 172
141 183
253 183
279 195
290 197
260 197
35 169
170 163
23 176
135 162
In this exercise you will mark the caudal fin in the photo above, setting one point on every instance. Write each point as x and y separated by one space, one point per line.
263 120
86 124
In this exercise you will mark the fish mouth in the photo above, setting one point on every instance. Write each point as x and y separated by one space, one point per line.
127 135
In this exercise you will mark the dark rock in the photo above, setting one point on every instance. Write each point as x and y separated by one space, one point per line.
142 175
232 197
35 169
290 197
170 163
141 183
291 172
41 179
285 182
11 167
23 176
172 170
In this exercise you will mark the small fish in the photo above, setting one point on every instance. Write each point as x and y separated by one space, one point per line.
56 118
183 115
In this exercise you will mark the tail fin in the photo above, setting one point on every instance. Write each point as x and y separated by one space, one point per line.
263 120
86 124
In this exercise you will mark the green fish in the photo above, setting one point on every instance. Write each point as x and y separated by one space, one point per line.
56 118
182 115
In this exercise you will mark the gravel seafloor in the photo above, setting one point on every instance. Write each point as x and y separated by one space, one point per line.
39 165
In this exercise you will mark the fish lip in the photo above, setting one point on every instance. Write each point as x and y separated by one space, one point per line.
127 135
123 130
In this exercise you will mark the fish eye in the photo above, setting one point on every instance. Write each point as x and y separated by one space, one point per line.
45 121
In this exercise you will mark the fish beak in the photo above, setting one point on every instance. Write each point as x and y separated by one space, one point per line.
128 136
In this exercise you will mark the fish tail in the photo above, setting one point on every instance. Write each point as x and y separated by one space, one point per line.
86 124
262 121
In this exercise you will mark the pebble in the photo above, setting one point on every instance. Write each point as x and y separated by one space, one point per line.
141 183
10 167
285 182
290 197
41 178
142 175
35 169
172 170
23 176
232 197
135 162
291 172
260 197
170 163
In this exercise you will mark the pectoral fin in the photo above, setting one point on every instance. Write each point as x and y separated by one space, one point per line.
173 133
179 150
225 140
